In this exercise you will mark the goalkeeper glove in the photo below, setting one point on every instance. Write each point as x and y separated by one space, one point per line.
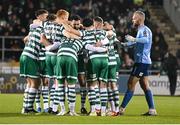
130 38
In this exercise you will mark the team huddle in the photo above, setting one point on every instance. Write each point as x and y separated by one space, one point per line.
59 53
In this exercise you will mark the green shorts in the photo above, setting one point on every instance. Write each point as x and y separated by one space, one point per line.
66 69
29 67
51 65
81 64
97 69
42 68
112 73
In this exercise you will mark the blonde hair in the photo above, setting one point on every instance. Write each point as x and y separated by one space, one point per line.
140 13
62 12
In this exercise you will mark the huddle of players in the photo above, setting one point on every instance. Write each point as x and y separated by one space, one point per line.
65 51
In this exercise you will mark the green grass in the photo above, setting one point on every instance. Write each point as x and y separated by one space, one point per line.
168 109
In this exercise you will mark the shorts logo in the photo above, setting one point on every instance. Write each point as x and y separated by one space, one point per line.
141 74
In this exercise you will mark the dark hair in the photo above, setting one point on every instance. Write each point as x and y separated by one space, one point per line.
51 17
40 11
75 17
87 22
98 19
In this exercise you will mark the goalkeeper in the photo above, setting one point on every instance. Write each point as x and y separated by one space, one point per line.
142 47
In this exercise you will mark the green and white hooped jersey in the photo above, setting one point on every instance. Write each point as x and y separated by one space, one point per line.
111 52
70 47
42 53
32 47
54 33
116 53
91 37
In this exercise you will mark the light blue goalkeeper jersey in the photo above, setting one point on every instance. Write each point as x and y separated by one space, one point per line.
142 45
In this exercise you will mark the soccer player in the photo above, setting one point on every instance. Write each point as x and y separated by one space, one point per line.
100 64
29 65
97 68
50 65
113 93
96 55
142 46
54 34
76 24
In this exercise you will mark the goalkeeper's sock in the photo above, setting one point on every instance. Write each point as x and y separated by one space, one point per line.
127 98
149 99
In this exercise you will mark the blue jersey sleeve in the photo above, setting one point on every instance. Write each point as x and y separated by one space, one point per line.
143 36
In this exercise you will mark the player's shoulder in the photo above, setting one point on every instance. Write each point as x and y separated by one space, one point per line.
100 31
145 29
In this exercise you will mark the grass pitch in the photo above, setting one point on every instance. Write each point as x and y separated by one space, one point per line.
168 109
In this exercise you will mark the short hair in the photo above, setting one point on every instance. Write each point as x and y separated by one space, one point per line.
62 12
40 11
51 17
75 17
87 22
98 19
141 13
106 22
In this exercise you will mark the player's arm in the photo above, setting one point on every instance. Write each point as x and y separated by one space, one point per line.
143 39
127 44
53 46
70 35
72 30
102 42
138 40
44 40
35 24
94 48
25 39
110 33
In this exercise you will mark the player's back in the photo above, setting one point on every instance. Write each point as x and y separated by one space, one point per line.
32 47
70 47
91 37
